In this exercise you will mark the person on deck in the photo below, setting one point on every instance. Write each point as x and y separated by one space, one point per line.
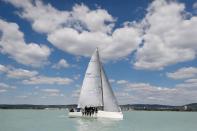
71 110
85 110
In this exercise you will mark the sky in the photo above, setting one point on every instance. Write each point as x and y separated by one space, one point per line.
148 49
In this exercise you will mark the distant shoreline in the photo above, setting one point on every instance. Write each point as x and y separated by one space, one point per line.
126 107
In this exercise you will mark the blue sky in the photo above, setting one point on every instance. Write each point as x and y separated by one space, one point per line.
148 49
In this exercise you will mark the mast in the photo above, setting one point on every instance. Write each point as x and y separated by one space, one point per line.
100 75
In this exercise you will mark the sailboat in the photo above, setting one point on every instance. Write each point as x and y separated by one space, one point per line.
96 92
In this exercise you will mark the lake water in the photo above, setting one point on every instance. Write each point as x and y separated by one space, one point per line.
57 120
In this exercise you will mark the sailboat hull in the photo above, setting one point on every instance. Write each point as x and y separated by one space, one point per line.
100 114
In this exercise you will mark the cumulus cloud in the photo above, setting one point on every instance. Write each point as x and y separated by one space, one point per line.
47 19
44 18
122 82
169 38
76 93
81 30
93 20
77 76
194 80
6 86
183 73
151 94
113 46
61 64
12 43
32 77
22 96
3 90
48 80
112 80
165 30
21 73
3 68
17 73
52 92
190 83
195 5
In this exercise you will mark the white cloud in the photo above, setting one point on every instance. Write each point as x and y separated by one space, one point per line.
146 87
94 20
48 80
122 82
169 38
12 43
76 77
3 68
21 73
47 19
189 83
115 46
3 90
44 18
151 94
61 64
81 30
195 5
17 73
32 77
22 96
43 97
6 86
52 92
76 93
183 73
112 80
3 85
166 29
194 80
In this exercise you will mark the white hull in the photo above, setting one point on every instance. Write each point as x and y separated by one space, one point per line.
100 114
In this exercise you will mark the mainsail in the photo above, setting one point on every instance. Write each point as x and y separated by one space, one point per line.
96 90
91 91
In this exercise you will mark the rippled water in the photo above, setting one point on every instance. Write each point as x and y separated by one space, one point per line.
57 120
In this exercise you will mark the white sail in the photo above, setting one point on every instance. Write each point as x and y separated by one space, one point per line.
110 102
91 92
96 91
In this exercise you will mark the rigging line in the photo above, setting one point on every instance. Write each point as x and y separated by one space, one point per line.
100 66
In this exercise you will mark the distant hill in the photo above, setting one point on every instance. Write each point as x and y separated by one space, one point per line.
157 107
29 106
127 107
194 105
149 107
191 107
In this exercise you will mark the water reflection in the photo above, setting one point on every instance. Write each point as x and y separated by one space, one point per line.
91 124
